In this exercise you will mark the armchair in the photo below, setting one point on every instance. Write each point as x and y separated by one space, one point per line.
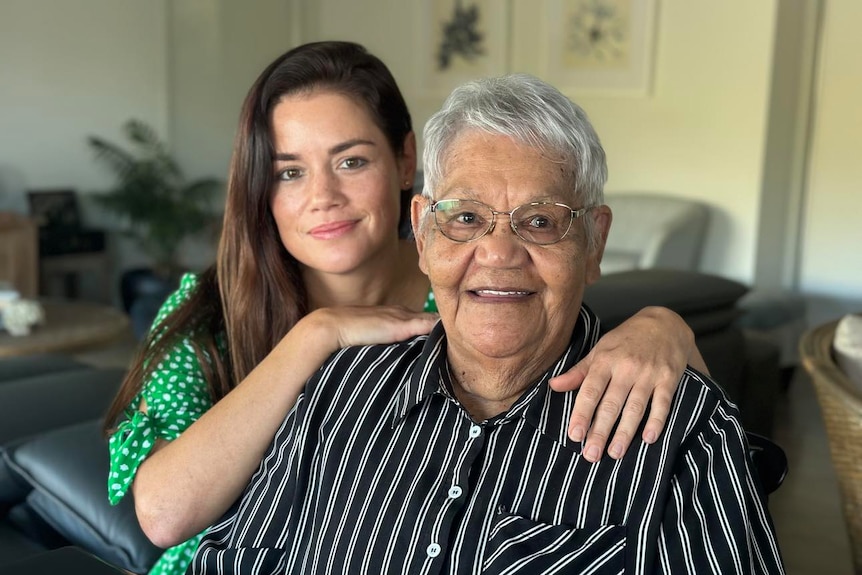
654 231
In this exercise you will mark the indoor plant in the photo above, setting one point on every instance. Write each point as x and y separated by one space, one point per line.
159 207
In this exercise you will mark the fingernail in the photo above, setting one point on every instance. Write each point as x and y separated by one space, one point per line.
577 433
592 453
616 450
651 437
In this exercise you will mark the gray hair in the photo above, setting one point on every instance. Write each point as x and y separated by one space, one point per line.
532 112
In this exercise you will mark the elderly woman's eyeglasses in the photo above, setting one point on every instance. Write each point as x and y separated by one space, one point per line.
542 223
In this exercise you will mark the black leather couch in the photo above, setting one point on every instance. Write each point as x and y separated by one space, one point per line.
54 463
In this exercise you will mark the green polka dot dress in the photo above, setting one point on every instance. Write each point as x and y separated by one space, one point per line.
176 396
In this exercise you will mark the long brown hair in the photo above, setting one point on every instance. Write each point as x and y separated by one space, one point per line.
254 294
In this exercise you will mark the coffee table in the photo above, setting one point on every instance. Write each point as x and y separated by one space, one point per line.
68 326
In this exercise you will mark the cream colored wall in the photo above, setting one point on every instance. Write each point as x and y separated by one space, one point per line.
831 263
67 70
699 134
218 47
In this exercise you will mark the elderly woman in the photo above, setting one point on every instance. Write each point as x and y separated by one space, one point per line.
449 452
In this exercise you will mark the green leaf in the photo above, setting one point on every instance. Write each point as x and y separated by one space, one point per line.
151 196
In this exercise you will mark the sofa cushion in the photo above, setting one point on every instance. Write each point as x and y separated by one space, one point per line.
14 545
706 302
35 404
14 368
848 348
67 471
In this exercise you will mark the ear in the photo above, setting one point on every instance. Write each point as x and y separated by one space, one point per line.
602 217
408 159
418 207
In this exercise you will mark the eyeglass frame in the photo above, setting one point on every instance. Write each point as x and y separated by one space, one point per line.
574 214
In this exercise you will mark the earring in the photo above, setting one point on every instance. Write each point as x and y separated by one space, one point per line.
406 184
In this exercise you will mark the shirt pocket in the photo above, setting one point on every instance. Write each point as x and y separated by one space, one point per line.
520 545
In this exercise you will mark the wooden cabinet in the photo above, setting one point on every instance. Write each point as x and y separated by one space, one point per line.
19 253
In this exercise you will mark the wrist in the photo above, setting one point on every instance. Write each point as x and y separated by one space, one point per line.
318 330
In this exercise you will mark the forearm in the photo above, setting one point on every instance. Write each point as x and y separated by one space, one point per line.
187 484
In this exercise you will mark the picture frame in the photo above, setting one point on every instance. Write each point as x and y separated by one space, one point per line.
460 40
600 47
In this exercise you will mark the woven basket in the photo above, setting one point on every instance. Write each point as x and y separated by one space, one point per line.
841 405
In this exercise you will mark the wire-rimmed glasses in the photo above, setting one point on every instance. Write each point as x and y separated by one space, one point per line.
541 223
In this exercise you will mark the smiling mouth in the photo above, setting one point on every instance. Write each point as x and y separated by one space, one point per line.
498 294
332 229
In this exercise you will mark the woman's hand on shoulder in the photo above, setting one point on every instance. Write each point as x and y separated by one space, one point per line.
642 358
366 325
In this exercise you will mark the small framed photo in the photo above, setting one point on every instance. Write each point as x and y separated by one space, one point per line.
54 209
600 47
460 40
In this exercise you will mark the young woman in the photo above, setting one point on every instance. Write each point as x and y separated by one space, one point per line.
310 261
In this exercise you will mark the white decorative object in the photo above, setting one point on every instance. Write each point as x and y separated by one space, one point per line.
20 315
848 347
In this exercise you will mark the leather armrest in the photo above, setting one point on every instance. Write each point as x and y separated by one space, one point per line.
67 471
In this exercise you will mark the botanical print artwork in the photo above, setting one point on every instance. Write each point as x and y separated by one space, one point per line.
599 46
460 40
597 34
461 36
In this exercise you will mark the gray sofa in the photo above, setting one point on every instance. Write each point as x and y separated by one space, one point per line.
53 461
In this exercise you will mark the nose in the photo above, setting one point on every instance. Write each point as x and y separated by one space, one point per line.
325 190
501 247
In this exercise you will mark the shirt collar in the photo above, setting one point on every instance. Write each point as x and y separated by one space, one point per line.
546 410
427 375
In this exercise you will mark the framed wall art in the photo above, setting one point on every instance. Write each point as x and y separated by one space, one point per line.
460 40
600 47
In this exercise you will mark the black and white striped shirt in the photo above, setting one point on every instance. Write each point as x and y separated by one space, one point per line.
378 469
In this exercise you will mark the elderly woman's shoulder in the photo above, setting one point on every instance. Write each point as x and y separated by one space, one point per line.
699 396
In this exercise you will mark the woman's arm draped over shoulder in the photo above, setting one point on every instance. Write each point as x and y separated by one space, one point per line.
639 363
187 484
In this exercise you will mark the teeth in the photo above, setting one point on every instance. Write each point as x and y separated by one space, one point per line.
500 293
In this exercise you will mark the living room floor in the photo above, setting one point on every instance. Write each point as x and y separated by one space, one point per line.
806 508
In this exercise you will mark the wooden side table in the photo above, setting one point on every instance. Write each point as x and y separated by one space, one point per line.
69 326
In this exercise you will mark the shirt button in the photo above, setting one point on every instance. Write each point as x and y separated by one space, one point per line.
433 550
455 492
475 431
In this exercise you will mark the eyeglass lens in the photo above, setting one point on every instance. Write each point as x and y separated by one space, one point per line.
539 223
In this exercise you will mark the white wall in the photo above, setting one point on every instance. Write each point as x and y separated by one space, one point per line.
218 48
68 70
831 264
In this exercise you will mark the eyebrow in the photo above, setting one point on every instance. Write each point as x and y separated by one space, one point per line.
336 149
